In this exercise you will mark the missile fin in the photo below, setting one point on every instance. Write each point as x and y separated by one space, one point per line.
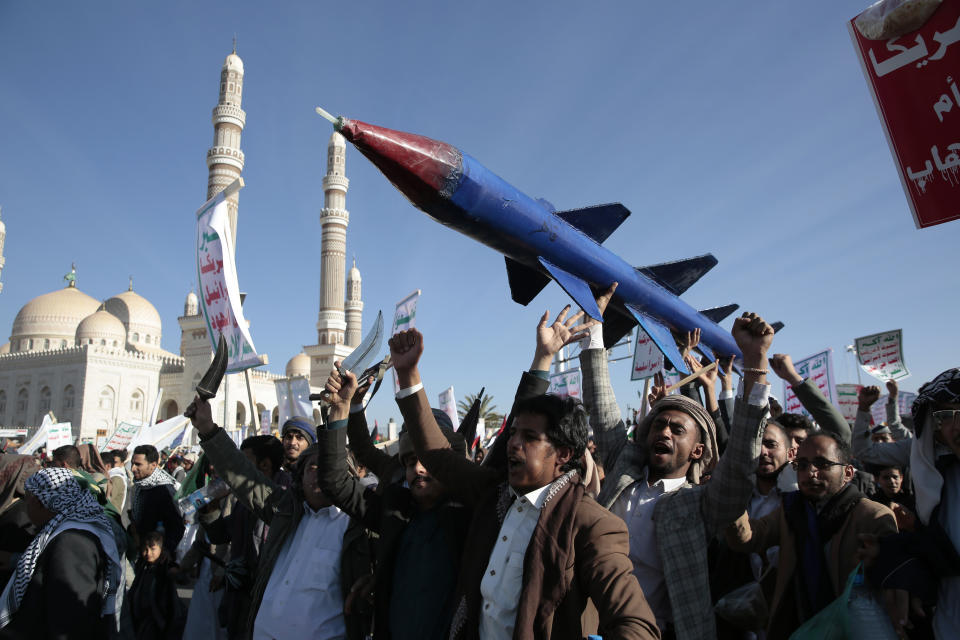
575 288
777 326
525 283
719 313
706 351
598 221
617 322
678 276
661 336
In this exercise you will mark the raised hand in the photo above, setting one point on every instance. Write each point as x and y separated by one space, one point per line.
691 340
782 365
340 390
754 336
406 348
867 396
893 389
201 416
604 299
658 389
725 373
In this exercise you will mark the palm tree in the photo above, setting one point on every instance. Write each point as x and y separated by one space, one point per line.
488 410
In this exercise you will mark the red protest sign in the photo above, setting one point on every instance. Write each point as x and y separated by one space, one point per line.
915 82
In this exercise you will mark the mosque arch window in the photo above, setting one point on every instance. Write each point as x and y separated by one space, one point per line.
241 414
147 339
63 344
103 342
136 401
136 337
23 398
68 397
3 404
105 401
30 344
275 416
46 344
45 400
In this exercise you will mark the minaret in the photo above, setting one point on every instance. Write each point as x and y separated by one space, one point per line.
3 236
225 159
333 245
354 307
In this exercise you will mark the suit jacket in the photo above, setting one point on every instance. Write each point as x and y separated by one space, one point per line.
685 519
757 535
570 559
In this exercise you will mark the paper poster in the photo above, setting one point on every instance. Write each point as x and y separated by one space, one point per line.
293 399
819 368
266 421
847 402
565 384
647 358
448 404
905 399
405 315
58 435
914 79
219 291
881 355
122 437
13 433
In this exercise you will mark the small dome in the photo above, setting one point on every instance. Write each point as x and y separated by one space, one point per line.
354 273
233 63
53 316
139 318
5 348
299 365
337 140
102 327
191 306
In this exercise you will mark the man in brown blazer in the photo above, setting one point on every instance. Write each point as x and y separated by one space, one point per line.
817 528
538 546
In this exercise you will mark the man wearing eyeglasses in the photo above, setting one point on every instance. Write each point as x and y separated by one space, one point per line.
818 529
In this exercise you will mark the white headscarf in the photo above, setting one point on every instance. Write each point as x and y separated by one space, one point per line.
73 508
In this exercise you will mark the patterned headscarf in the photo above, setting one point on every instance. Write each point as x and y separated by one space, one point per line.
59 492
943 389
708 431
158 478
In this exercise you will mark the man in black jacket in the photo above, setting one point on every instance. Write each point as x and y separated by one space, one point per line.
153 505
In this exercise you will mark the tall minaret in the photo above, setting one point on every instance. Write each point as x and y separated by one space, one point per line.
225 159
333 245
354 307
3 236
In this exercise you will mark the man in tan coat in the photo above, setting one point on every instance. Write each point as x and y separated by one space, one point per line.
817 528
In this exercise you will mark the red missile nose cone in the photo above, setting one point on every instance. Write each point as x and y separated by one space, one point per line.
420 167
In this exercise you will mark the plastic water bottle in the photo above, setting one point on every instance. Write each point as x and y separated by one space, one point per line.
202 497
868 618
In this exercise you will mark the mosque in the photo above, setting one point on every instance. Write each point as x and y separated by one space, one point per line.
96 364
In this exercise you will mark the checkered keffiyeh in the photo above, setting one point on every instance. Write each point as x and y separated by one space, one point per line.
60 493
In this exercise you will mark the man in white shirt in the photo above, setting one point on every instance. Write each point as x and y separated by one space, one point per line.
313 555
541 546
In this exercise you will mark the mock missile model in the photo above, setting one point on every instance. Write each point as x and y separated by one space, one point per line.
541 244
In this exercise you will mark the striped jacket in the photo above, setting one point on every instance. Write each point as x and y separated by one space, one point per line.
686 519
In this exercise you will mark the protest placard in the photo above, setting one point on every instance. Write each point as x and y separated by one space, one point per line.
565 384
881 355
58 435
219 293
647 358
404 317
122 437
819 368
448 404
13 433
914 82
265 422
905 400
847 403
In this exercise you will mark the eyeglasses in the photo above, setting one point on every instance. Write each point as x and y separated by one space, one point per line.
946 417
821 464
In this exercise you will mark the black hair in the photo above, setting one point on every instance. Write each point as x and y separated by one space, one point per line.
844 453
148 451
567 424
265 448
68 454
782 431
151 538
793 421
109 457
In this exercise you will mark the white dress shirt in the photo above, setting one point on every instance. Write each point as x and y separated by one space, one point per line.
635 505
503 577
303 598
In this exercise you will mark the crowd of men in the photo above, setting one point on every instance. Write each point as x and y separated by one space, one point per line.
713 514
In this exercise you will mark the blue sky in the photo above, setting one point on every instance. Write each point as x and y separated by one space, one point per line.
745 131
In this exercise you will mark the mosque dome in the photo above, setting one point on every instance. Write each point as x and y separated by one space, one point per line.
233 63
102 328
191 306
299 365
139 318
354 274
50 321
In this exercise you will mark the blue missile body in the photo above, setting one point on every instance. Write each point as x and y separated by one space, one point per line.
541 244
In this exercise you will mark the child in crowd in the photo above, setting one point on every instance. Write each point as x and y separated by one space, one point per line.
155 606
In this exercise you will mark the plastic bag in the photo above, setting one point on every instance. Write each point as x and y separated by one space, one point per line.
854 615
744 607
892 18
